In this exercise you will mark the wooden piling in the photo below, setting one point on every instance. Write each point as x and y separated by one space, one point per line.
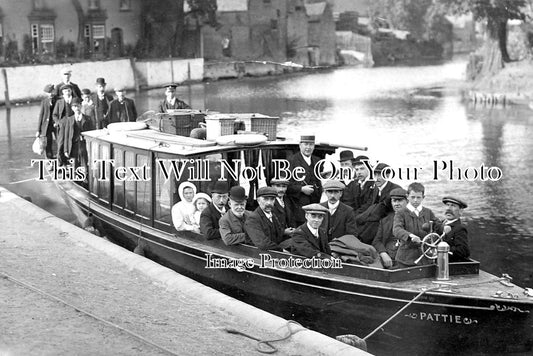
6 91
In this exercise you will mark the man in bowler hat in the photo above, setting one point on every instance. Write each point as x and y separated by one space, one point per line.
310 239
232 222
262 226
101 101
209 219
308 190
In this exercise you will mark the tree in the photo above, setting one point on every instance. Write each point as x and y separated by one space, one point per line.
496 13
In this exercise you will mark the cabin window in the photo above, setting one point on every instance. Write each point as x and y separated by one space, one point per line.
144 192
118 191
129 185
104 184
163 193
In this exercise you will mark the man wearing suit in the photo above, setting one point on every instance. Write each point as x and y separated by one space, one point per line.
66 73
385 243
307 190
171 102
263 227
46 121
282 206
340 219
71 140
122 109
368 221
309 239
232 223
62 110
101 101
358 193
457 238
209 219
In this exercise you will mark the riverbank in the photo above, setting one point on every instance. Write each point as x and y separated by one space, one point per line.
69 292
514 83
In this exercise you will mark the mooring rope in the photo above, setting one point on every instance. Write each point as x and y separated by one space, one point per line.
78 309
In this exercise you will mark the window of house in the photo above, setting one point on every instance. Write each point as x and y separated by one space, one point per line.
42 37
274 24
94 35
94 4
98 31
125 5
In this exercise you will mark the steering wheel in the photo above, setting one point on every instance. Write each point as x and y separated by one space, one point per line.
429 245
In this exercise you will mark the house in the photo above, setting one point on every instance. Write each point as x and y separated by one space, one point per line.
321 33
90 28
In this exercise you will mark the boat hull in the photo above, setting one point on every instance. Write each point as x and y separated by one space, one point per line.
437 323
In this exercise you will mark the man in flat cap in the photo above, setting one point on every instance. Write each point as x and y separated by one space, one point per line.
282 205
209 219
308 190
457 238
171 102
71 142
340 219
122 109
66 73
101 101
385 243
309 239
368 221
232 223
45 126
263 227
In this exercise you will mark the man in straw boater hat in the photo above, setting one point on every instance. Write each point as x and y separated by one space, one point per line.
457 238
282 206
340 219
309 239
66 73
384 241
171 102
308 190
368 221
209 219
263 227
232 223
101 101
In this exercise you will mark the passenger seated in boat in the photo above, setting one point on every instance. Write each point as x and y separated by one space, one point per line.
70 139
183 210
200 202
340 219
282 206
368 221
310 239
385 242
211 215
457 238
408 226
262 226
232 223
171 102
358 194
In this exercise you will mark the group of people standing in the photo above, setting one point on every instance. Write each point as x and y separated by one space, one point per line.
307 217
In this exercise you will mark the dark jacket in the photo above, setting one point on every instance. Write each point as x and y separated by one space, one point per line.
368 221
101 109
296 197
457 238
164 105
232 228
76 92
304 243
284 214
70 133
61 111
264 234
341 223
45 116
209 225
124 111
355 197
384 241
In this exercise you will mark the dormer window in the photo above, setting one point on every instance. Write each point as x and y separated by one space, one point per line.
94 4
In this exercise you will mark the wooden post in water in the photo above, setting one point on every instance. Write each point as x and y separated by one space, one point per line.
135 75
6 91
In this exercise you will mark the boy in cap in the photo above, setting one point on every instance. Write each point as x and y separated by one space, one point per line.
122 109
101 101
71 142
171 102
66 73
385 243
45 126
309 239
282 206
408 226
87 105
340 219
232 223
308 190
209 219
262 226
457 238
368 221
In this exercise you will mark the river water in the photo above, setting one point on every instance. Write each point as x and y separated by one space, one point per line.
409 117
